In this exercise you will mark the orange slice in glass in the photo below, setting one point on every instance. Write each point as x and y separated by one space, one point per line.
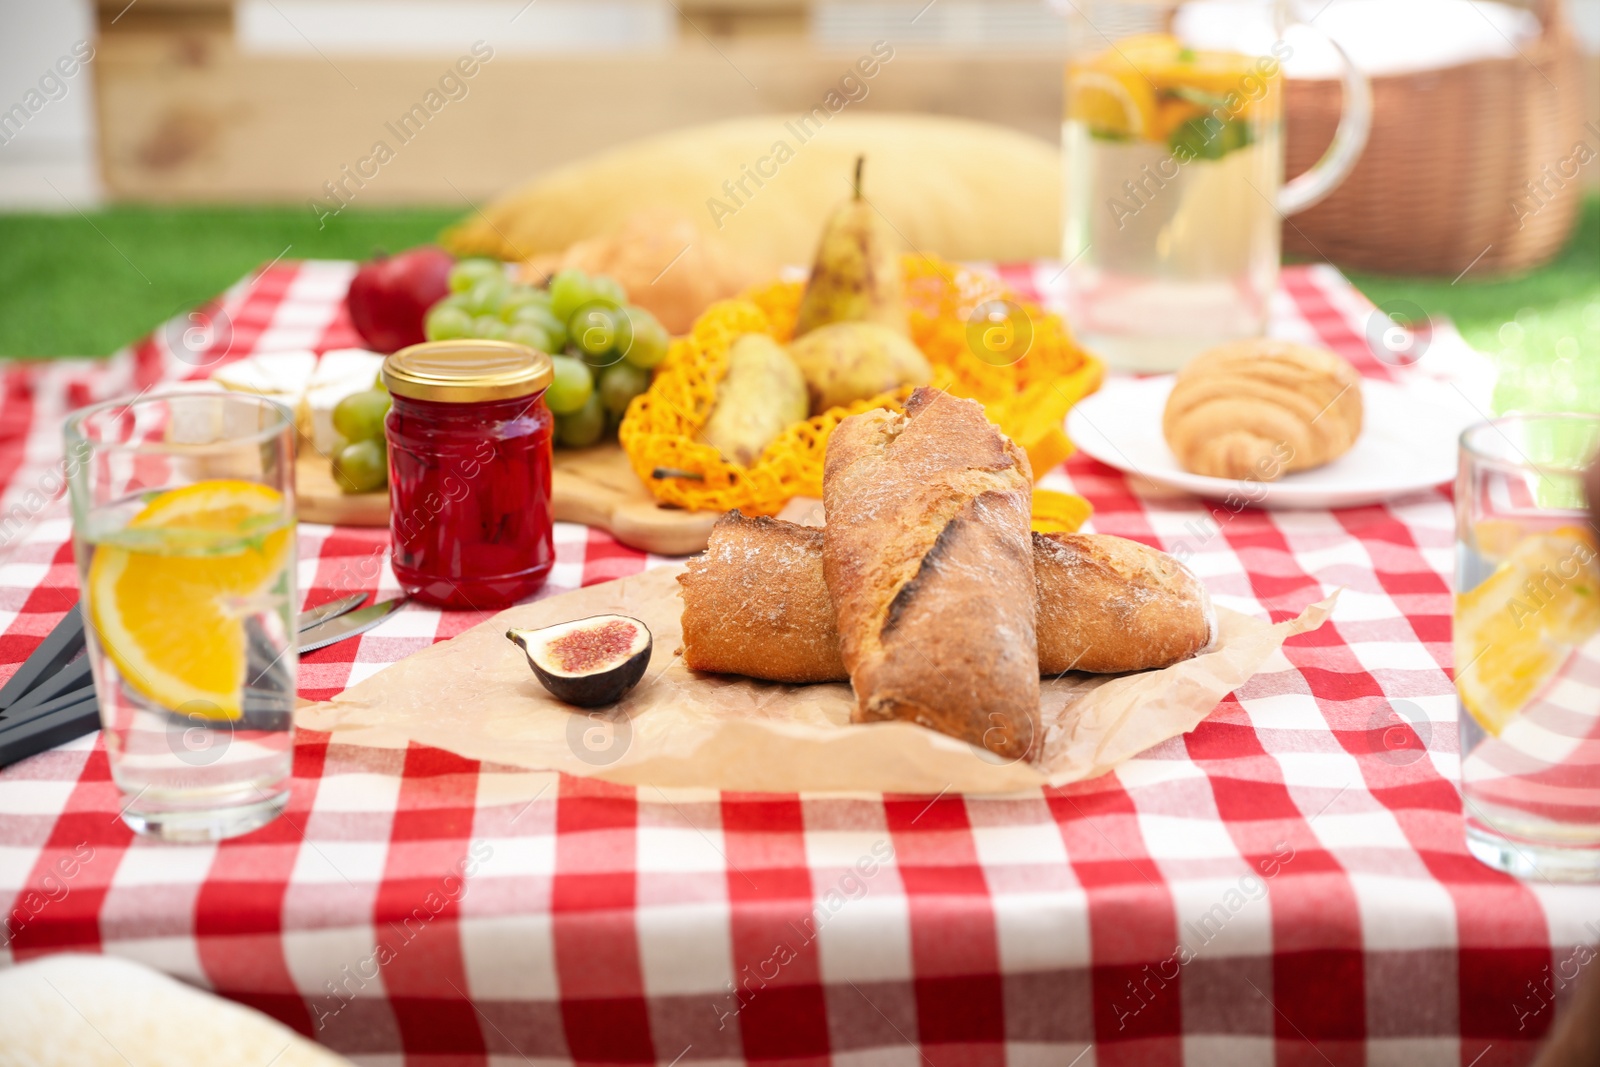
168 593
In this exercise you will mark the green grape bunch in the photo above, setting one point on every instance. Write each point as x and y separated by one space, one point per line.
602 349
362 464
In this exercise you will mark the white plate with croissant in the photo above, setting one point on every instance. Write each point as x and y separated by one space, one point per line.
1271 424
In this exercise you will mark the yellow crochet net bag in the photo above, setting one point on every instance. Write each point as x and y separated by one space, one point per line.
1013 357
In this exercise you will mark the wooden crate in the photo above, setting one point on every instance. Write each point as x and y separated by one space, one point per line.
186 116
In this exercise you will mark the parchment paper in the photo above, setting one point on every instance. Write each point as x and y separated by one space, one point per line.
475 695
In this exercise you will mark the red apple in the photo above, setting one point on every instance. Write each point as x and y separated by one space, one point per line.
390 295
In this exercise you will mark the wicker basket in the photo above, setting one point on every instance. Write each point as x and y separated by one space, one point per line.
1443 180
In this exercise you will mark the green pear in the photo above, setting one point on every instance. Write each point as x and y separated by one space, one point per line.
856 274
848 361
760 396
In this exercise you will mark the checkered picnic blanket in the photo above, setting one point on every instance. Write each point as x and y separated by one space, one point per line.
1288 883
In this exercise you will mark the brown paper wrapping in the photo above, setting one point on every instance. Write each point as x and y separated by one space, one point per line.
475 695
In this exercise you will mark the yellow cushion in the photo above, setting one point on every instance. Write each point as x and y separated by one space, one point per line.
70 1010
959 189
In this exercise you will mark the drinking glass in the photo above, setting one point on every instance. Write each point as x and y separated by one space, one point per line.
1173 163
1527 646
183 526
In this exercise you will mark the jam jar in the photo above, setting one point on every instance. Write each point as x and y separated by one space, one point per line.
469 472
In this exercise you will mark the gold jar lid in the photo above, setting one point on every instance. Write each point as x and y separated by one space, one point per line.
466 371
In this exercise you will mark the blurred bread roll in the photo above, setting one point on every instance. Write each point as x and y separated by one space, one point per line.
1262 408
666 263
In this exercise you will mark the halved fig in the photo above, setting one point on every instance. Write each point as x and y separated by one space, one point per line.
588 662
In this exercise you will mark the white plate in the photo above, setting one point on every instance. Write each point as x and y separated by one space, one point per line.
1407 444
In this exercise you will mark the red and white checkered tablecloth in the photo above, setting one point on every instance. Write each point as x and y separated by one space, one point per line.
1286 884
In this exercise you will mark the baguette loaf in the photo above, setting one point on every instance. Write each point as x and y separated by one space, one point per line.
929 567
1108 605
755 604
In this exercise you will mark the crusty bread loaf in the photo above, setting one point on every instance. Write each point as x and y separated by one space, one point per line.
929 567
666 263
755 604
1109 605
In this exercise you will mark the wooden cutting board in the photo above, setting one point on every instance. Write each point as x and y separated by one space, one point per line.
594 486
319 499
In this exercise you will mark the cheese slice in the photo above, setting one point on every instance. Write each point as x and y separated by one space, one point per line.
341 373
269 374
308 386
315 416
340 365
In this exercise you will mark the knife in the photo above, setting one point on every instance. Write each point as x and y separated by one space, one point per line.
54 652
55 723
331 610
71 676
74 672
57 711
356 622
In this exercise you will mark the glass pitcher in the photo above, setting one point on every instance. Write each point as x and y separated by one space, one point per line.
1173 165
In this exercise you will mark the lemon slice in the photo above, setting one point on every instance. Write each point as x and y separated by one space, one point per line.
1142 51
1515 629
1055 512
167 594
1122 104
1496 539
1149 85
1205 71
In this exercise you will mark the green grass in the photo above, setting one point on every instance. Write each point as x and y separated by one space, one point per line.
1542 328
71 285
76 286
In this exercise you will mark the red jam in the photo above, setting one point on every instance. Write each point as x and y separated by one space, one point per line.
469 473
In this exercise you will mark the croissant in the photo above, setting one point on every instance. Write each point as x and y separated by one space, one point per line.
1262 408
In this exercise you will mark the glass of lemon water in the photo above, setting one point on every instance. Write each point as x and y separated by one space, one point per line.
1527 646
1173 160
184 533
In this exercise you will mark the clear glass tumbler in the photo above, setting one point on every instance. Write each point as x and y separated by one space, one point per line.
1527 646
184 531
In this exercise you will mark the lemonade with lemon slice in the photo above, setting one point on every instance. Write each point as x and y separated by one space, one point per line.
1526 647
185 551
1173 157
